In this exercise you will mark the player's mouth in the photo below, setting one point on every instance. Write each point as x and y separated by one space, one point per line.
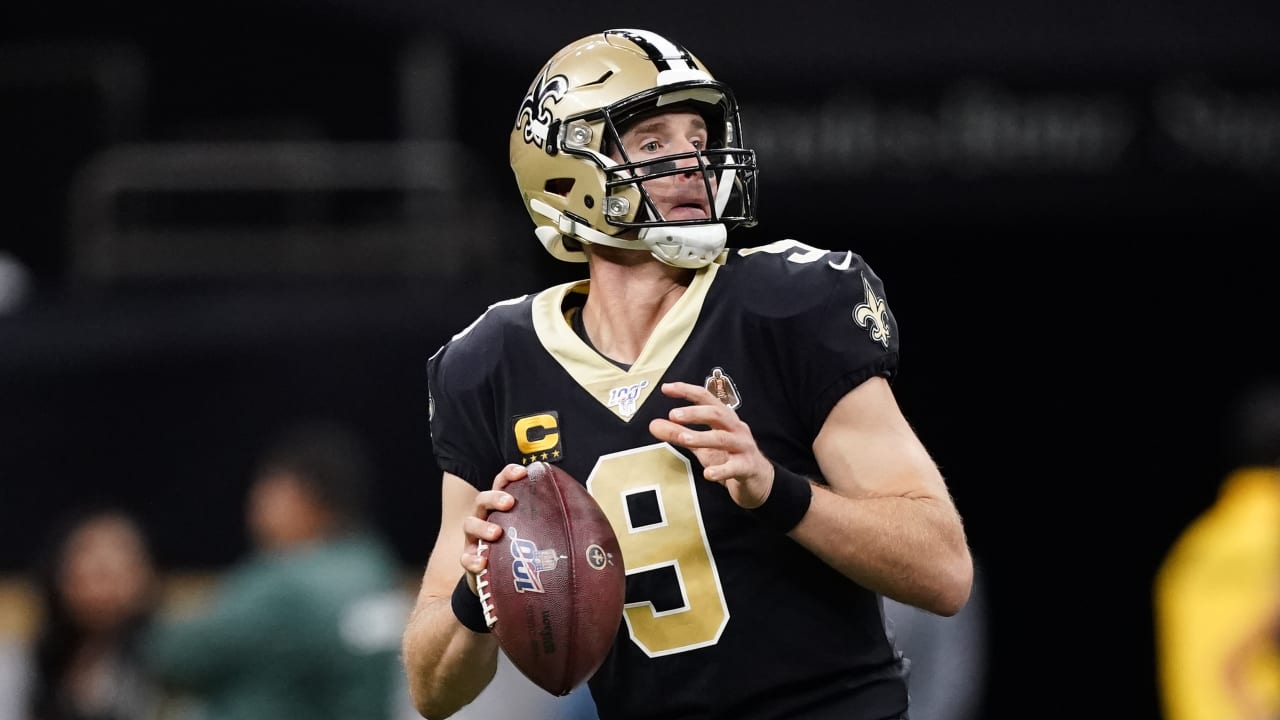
688 211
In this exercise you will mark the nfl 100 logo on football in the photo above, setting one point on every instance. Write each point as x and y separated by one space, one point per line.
624 398
527 561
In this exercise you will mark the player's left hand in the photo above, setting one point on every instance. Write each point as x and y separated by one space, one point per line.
726 449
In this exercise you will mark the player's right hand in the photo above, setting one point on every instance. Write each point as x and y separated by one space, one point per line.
476 526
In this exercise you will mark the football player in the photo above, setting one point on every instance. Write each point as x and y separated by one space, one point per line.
759 536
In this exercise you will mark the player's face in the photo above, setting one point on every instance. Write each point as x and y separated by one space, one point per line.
682 196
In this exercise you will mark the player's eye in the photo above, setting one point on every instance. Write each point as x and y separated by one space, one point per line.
650 147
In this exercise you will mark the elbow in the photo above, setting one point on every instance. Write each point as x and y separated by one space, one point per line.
426 698
431 709
440 687
430 705
954 586
951 603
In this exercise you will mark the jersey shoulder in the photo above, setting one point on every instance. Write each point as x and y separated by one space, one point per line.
799 269
461 377
477 346
790 279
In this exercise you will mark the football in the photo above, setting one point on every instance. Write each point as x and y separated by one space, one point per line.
553 587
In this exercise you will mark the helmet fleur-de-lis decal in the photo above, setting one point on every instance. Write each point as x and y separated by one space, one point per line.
534 115
873 314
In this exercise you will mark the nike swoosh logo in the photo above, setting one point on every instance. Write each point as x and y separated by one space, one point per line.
843 264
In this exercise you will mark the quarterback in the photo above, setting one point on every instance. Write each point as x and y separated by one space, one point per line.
730 410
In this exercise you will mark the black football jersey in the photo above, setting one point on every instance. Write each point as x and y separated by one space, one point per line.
725 617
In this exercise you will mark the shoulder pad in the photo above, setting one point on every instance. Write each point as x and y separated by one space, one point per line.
834 295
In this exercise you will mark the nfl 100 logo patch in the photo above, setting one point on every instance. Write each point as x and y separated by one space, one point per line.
624 398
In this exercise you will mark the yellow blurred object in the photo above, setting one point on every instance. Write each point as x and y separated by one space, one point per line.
1217 583
19 609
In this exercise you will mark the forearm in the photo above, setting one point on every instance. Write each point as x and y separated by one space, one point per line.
447 665
910 549
885 518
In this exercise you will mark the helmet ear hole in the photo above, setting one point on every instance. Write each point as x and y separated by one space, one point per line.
559 186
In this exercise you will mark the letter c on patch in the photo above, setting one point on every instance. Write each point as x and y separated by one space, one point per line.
536 433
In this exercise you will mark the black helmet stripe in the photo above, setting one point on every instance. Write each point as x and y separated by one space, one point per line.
664 53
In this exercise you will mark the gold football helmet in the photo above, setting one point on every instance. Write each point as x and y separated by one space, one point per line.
573 116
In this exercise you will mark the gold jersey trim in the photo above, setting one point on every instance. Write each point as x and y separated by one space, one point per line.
621 391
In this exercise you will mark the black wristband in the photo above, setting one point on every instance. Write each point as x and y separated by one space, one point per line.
468 608
788 500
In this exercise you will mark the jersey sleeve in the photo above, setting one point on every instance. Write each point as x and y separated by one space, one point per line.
461 403
830 319
857 332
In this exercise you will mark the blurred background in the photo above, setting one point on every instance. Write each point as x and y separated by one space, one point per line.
219 217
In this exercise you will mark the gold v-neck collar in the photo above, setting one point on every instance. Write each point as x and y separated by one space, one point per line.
621 391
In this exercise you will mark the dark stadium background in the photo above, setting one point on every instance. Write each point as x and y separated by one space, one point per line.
1072 206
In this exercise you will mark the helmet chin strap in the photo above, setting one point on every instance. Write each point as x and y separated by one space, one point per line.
687 246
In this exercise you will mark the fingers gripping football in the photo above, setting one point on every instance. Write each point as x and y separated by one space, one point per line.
726 448
553 587
477 527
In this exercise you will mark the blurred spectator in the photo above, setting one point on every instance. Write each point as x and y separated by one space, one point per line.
1219 584
15 283
948 655
98 589
308 626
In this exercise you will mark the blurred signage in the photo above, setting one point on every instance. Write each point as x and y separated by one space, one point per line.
977 127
